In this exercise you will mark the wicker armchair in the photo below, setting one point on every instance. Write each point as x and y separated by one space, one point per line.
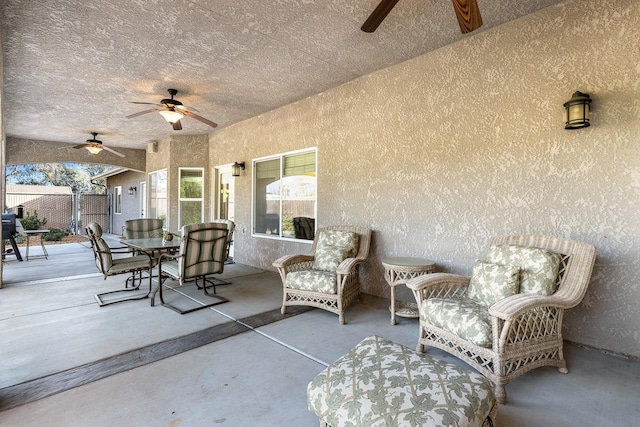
341 284
524 330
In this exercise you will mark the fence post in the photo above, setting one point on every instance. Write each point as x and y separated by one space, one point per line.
75 213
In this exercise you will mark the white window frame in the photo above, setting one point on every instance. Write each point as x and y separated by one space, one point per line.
149 194
181 199
281 157
117 200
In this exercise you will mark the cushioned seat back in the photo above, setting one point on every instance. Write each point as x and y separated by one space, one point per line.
538 267
333 247
94 229
231 226
143 228
203 249
104 259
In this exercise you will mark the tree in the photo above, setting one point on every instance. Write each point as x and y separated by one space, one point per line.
74 175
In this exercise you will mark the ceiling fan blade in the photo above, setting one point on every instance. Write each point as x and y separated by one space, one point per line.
79 146
104 147
468 15
177 125
131 116
145 103
183 107
202 119
378 15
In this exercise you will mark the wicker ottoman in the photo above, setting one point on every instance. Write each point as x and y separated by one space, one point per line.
380 383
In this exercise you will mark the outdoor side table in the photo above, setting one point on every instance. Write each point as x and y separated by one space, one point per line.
397 271
30 233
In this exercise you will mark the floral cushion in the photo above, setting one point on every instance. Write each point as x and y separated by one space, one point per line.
380 383
465 318
333 247
538 267
328 258
492 282
313 280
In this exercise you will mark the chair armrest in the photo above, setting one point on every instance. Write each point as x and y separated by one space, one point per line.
438 285
511 307
168 256
119 250
289 260
438 281
348 265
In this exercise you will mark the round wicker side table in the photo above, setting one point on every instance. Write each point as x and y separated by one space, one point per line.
397 271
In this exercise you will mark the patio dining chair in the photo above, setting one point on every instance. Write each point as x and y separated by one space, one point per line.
143 228
231 226
108 265
202 254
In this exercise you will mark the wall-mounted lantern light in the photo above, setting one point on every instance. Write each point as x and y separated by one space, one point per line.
236 168
132 190
577 111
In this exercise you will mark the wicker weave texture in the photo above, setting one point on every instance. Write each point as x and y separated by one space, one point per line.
347 276
526 329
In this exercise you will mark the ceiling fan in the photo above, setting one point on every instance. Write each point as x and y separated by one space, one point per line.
95 146
172 110
466 10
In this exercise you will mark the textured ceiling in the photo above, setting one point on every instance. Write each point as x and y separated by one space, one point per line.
72 67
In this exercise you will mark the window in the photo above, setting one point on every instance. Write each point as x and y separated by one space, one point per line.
158 195
191 196
117 200
284 203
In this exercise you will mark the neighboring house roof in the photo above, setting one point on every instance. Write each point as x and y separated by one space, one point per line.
110 173
37 189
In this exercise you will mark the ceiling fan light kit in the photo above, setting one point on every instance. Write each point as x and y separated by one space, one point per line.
93 149
95 146
171 116
172 111
467 12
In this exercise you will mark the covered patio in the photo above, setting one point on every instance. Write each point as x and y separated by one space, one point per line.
68 361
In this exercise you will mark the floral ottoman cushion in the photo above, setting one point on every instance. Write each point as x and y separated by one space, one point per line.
380 383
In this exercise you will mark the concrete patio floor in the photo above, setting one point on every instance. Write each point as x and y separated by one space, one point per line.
251 370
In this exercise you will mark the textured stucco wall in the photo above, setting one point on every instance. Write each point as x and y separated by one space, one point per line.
3 145
130 204
23 151
442 152
173 153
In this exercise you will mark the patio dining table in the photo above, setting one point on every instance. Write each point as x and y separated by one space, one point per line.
152 245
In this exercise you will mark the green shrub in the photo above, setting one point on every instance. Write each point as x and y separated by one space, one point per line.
32 222
55 235
287 223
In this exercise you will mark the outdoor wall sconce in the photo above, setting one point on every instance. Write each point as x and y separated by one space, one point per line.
577 109
132 190
236 168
